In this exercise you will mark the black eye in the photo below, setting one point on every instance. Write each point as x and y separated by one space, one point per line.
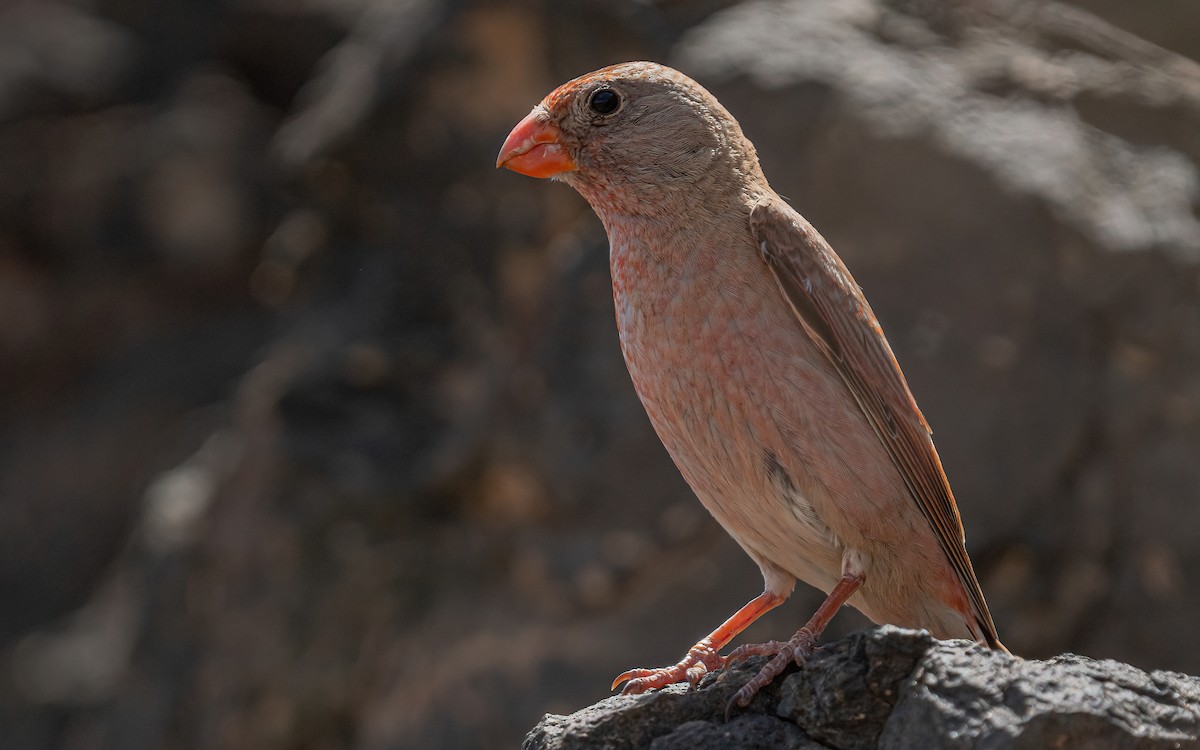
604 101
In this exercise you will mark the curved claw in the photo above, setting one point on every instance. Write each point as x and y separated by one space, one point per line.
797 650
700 660
631 674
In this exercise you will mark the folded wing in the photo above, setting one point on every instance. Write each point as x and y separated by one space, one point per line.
834 313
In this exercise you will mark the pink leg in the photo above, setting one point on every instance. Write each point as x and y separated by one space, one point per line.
798 649
702 657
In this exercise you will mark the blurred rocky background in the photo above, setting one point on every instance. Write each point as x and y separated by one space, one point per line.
314 431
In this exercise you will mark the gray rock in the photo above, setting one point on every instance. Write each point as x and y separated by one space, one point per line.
897 689
963 696
862 671
754 732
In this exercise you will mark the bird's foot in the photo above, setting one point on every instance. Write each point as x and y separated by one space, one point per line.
798 649
700 660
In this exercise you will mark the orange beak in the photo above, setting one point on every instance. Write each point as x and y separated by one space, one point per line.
534 148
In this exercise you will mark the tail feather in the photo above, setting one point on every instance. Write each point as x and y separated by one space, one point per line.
987 635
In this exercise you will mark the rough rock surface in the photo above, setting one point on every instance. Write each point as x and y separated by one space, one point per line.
895 689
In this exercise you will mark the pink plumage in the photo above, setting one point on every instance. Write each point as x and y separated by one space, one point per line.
760 364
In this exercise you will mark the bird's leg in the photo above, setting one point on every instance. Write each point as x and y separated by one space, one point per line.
702 657
798 649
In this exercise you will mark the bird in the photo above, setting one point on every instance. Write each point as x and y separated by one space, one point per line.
761 367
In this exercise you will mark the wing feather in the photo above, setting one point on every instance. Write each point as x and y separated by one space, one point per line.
834 312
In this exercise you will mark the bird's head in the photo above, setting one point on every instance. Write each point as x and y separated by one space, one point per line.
632 138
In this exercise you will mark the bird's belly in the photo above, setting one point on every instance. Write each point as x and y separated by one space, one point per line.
765 432
707 375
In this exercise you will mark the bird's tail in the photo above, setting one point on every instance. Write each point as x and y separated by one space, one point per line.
985 633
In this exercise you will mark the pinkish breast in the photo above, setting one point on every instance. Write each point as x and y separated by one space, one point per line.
712 353
762 427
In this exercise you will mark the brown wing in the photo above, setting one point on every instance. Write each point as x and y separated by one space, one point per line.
832 309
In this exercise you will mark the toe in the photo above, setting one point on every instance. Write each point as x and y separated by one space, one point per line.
742 653
700 660
641 680
633 674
